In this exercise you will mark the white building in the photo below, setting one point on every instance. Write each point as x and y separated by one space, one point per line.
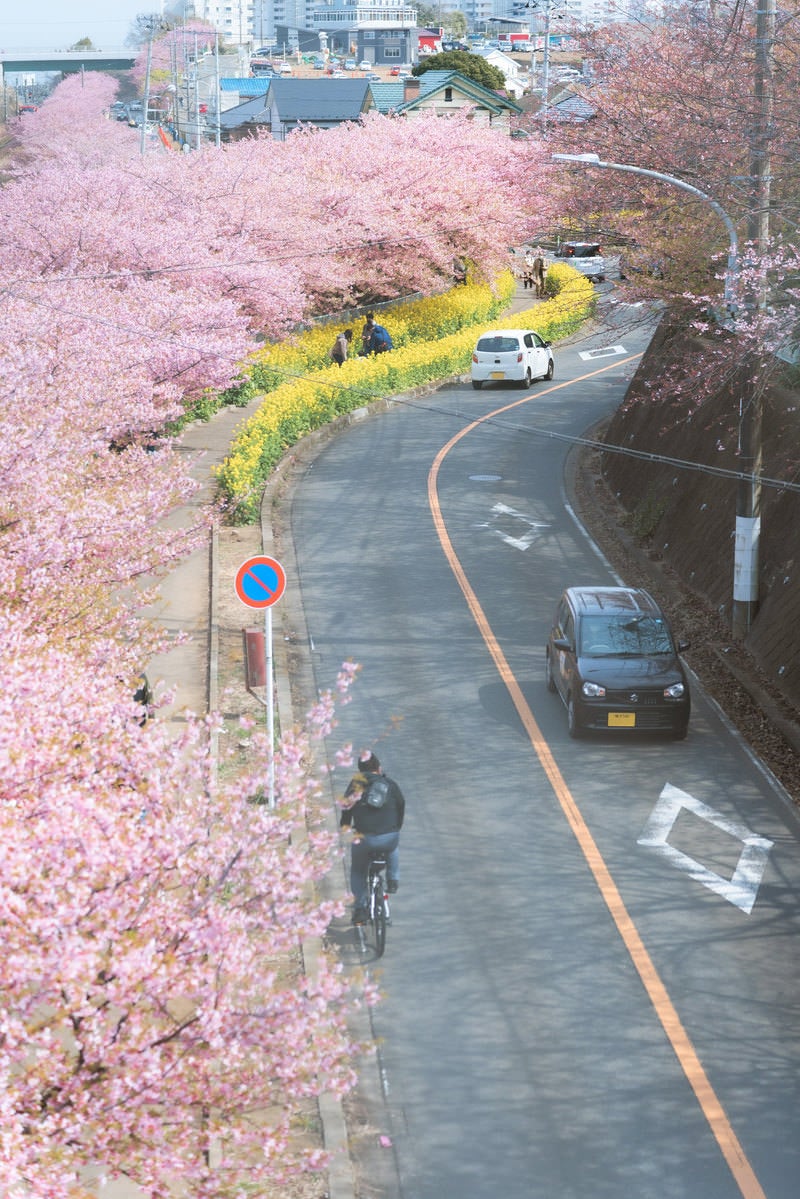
235 19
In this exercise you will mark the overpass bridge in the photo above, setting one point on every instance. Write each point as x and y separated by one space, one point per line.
68 62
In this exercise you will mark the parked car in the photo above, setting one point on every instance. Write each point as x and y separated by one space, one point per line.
586 257
517 355
365 66
395 71
611 657
284 68
373 76
351 64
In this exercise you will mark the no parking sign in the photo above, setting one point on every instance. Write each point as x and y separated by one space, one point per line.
260 582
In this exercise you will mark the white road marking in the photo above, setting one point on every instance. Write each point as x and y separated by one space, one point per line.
740 890
524 542
606 352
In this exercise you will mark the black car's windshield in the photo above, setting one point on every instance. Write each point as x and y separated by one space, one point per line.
624 636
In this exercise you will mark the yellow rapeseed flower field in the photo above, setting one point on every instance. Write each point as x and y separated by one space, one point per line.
433 340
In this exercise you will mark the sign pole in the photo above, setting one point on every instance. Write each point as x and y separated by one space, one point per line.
270 703
259 583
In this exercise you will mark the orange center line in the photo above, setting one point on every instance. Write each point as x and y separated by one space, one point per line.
730 1147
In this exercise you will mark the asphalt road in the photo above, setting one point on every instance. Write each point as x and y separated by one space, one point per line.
591 981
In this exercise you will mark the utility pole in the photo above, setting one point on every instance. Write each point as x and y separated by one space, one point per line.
146 105
544 7
217 96
748 496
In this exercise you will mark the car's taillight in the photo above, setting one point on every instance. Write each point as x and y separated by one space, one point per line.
519 356
474 357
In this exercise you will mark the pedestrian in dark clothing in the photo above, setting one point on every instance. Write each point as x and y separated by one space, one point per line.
366 333
376 817
340 346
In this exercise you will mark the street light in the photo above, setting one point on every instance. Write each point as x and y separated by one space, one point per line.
732 271
748 520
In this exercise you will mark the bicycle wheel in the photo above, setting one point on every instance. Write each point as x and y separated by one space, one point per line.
379 919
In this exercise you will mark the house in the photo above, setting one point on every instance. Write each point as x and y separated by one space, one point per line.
383 32
429 41
568 106
444 93
234 91
290 103
244 119
516 79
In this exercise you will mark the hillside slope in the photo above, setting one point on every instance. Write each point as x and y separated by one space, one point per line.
672 529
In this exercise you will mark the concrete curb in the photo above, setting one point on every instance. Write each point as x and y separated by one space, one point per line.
341 1182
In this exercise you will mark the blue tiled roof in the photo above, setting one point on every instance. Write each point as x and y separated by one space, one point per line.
255 86
386 96
434 81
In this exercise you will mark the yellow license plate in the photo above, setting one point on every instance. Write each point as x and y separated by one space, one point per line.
498 374
622 720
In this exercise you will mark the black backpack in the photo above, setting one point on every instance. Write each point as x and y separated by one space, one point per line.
377 792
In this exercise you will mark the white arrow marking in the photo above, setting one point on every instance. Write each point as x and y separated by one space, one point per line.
742 888
519 543
607 352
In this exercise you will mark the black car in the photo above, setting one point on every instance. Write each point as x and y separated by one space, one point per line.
612 658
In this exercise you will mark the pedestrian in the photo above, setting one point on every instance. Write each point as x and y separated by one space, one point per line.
379 340
538 275
340 346
376 816
366 333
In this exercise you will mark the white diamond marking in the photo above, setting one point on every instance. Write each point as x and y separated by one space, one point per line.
742 888
524 542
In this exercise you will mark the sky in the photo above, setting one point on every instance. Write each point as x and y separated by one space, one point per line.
57 24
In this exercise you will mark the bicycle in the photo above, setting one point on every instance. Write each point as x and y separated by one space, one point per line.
378 911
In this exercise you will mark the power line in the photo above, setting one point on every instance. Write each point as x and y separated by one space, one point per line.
497 424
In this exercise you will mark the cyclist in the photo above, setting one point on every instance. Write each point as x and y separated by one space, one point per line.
376 816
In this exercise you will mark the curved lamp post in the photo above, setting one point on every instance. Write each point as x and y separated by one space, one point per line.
732 270
748 519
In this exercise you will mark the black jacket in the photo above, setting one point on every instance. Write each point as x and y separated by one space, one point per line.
365 819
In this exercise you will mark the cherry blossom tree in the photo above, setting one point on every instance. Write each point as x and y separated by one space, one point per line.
680 96
149 1027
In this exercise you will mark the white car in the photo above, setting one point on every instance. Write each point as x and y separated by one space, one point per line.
517 355
586 257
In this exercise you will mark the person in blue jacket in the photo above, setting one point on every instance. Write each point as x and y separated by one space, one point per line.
378 340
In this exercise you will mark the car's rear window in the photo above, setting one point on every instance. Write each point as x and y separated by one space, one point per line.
498 345
583 251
